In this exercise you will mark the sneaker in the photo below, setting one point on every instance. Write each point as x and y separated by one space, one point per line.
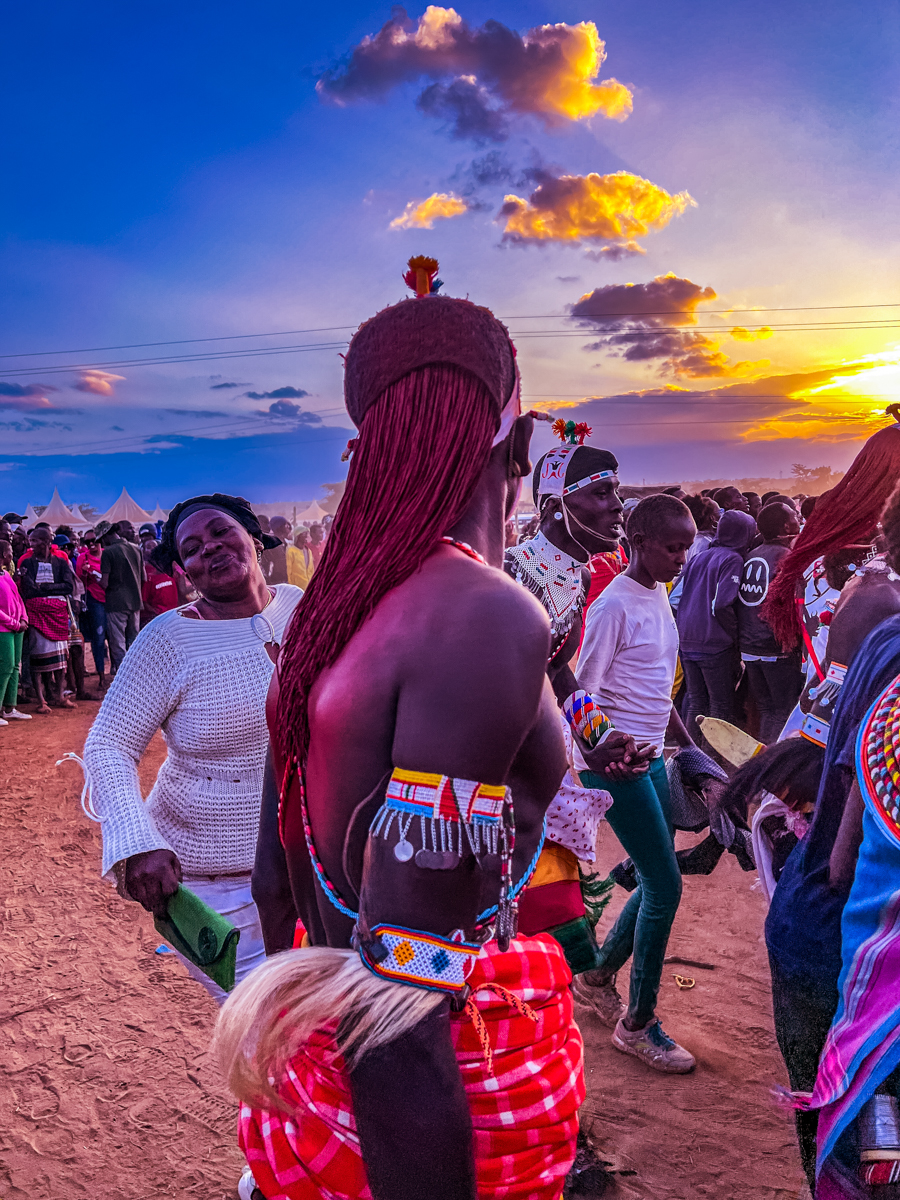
654 1047
15 715
247 1189
602 999
2 722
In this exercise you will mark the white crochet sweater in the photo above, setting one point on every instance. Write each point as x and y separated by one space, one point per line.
204 684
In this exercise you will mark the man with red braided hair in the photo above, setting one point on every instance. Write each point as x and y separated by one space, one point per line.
414 1047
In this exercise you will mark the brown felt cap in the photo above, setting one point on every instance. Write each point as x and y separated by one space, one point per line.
420 333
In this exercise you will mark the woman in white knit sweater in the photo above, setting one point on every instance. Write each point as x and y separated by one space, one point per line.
200 674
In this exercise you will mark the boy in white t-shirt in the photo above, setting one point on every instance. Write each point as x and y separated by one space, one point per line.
628 659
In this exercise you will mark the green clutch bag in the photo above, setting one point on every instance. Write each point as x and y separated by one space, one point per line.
202 935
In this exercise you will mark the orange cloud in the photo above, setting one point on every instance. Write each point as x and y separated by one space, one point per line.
645 322
98 383
482 75
422 214
751 335
573 208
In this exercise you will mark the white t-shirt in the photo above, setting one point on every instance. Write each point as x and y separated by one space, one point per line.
628 659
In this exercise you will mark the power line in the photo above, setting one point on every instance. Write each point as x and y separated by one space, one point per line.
267 351
521 317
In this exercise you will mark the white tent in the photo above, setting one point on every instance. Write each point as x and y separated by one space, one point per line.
31 517
125 509
314 512
79 520
57 513
158 514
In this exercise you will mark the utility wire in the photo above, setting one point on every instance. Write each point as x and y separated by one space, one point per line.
267 351
522 317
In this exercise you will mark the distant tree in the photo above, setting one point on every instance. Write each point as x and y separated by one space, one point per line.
813 475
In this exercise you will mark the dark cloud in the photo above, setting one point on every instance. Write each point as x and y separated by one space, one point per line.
466 106
28 424
644 322
287 408
216 387
195 412
117 428
25 397
282 393
23 390
615 253
481 75
569 278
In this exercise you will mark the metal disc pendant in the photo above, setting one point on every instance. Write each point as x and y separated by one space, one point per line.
403 850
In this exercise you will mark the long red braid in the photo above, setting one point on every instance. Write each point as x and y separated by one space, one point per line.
845 516
422 446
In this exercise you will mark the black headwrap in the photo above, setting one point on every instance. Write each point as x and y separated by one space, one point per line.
166 553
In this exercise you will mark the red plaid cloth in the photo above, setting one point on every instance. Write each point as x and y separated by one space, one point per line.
49 615
524 1115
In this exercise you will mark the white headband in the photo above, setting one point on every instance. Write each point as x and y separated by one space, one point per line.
553 473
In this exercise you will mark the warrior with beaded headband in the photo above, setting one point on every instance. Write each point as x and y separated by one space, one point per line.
393 1054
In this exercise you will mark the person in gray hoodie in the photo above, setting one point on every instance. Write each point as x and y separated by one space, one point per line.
708 623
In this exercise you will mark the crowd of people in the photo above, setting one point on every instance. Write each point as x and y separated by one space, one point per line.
73 602
421 930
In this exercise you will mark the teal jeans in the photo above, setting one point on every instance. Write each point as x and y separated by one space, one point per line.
10 657
639 817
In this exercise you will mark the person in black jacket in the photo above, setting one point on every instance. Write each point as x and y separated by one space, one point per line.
45 581
774 678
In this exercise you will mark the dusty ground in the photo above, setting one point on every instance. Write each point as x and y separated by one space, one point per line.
106 1090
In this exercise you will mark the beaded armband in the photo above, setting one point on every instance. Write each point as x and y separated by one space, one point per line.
583 712
826 691
815 730
417 958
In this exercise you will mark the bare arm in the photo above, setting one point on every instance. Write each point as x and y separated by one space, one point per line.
842 864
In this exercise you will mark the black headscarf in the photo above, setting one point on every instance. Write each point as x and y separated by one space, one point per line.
166 553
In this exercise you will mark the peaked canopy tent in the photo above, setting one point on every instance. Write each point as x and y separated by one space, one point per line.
125 509
31 517
313 512
79 520
158 514
57 513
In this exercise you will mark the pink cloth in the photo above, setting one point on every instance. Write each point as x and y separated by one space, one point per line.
90 561
12 608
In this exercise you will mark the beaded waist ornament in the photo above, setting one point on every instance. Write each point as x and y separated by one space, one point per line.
878 768
583 712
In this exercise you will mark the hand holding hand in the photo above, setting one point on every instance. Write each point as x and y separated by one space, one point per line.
618 757
151 878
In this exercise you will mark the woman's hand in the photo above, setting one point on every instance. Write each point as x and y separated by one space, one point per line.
151 878
618 757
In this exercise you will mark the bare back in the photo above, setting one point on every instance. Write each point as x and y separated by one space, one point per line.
447 676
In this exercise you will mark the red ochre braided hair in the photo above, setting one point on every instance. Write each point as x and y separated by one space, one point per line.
845 516
425 434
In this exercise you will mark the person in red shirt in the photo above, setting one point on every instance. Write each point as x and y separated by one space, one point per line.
160 591
604 567
56 551
87 568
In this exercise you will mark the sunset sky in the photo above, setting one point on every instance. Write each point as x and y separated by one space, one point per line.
686 214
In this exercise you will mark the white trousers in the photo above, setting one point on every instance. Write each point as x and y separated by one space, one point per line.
229 895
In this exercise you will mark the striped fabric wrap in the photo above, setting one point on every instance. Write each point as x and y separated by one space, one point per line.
524 1103
863 1044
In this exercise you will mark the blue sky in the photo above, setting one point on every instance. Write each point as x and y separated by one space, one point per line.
171 173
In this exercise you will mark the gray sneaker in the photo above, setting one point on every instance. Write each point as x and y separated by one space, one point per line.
654 1047
602 999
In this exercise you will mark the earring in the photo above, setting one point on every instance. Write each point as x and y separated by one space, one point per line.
557 516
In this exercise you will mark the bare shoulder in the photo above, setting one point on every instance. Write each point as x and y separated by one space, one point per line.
471 598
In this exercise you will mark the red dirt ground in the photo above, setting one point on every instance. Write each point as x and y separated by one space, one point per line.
107 1092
